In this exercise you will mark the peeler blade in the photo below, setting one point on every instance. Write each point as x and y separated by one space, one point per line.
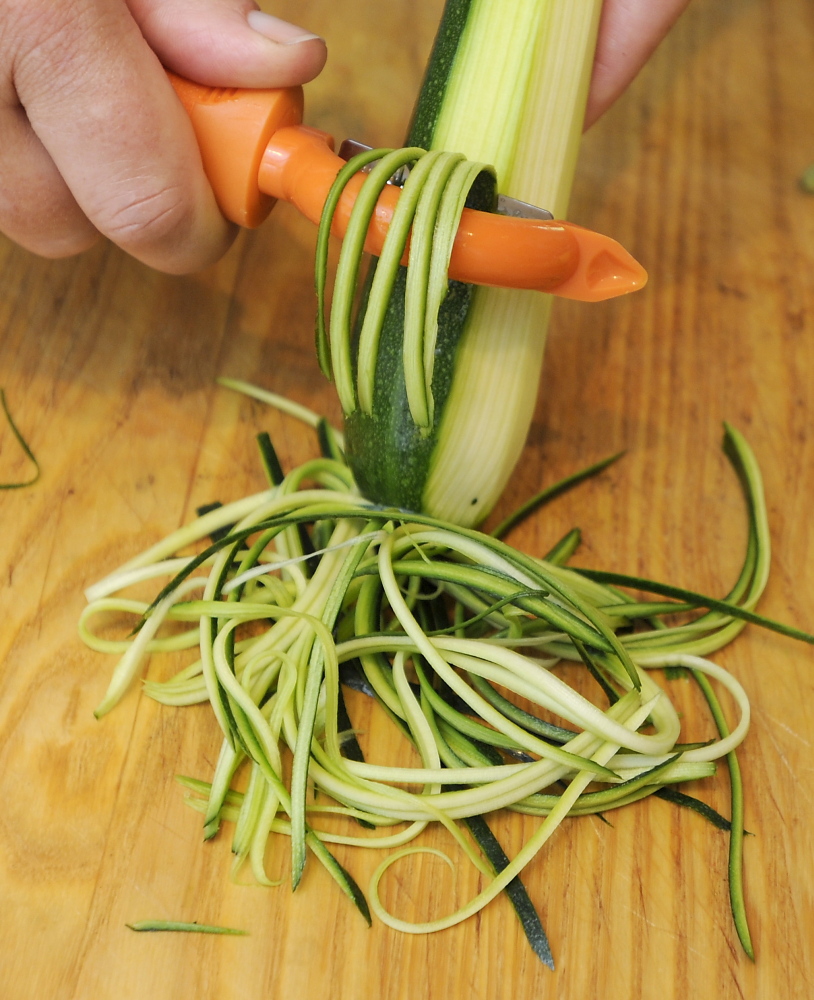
505 205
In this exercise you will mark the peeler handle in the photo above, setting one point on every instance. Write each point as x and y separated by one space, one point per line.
255 150
233 128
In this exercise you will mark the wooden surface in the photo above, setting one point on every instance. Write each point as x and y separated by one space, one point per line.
109 370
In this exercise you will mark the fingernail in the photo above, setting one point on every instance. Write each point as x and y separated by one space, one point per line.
276 29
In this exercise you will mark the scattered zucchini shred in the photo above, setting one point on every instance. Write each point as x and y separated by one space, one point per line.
456 636
23 444
180 925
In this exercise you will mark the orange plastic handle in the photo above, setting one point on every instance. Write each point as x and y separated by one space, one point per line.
255 150
233 128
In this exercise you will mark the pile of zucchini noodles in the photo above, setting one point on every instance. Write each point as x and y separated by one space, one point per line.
457 636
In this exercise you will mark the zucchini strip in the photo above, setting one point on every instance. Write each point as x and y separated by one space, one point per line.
486 628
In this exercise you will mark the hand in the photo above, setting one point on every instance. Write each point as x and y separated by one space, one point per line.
94 139
629 32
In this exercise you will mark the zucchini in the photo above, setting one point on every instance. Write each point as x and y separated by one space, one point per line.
506 84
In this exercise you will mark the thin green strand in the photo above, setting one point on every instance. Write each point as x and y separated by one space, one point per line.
29 454
189 928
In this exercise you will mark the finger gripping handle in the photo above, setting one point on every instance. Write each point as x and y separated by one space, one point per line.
233 128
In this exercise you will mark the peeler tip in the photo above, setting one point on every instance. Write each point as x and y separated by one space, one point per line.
605 270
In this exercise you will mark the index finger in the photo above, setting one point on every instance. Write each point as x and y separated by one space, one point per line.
102 106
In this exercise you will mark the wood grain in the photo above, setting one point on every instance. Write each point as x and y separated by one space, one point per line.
109 370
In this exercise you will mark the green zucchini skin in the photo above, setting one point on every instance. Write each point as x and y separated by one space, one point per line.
387 453
438 71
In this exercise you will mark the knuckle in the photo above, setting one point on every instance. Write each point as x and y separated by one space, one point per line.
41 37
157 218
51 49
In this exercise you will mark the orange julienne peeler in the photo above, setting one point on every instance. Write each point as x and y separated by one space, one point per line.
255 150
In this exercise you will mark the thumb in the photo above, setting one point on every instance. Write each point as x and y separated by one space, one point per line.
228 43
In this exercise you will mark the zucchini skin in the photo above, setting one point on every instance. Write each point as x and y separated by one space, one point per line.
439 69
386 451
388 454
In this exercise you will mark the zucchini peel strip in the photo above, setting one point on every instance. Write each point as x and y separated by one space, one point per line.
458 637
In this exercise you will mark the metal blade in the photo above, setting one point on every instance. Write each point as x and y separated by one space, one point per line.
505 205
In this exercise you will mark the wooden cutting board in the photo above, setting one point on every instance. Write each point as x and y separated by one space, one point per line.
109 371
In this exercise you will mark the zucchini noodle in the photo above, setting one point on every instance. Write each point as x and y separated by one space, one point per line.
428 213
455 635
